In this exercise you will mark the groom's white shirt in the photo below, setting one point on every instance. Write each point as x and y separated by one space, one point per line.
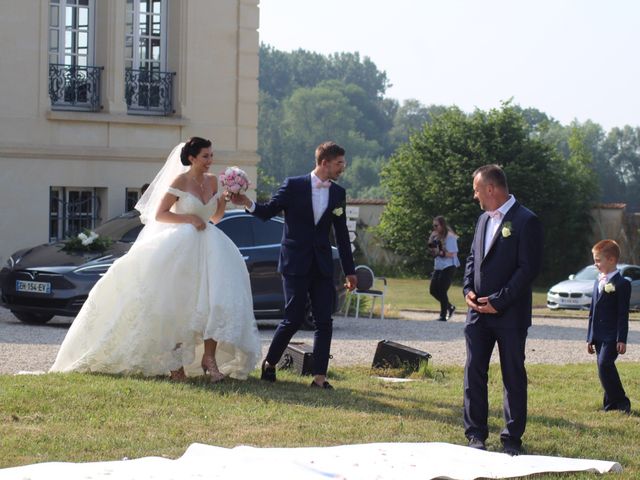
319 198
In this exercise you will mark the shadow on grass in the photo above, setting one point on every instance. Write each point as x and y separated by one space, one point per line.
401 400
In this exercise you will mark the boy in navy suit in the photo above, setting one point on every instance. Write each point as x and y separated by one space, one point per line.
609 323
313 204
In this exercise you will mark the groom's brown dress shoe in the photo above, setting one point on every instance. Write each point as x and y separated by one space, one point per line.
325 385
268 372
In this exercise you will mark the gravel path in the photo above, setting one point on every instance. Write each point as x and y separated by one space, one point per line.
551 340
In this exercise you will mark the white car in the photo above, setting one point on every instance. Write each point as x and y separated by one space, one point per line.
575 293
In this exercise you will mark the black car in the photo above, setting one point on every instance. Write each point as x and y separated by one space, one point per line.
40 282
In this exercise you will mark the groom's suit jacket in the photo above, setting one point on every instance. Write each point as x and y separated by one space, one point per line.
506 272
302 239
609 312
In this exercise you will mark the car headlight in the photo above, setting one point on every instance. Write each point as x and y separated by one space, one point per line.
12 261
92 270
588 294
551 292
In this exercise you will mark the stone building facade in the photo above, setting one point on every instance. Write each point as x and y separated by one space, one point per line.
95 93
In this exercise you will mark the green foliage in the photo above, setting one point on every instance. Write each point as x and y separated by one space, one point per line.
307 98
281 73
622 147
432 175
426 154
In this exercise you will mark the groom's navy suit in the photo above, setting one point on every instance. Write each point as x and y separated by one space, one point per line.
504 274
306 263
608 325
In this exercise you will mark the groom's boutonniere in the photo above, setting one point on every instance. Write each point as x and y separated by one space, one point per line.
338 211
506 229
609 287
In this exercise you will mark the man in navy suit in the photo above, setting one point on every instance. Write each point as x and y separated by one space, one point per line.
312 204
505 258
609 323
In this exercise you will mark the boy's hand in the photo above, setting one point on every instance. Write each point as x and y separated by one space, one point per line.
621 347
590 349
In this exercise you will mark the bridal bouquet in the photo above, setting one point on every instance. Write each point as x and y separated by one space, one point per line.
234 180
88 241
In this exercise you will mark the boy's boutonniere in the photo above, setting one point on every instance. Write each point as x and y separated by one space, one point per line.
609 287
506 229
338 211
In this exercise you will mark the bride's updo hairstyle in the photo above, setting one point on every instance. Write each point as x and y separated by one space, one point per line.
192 148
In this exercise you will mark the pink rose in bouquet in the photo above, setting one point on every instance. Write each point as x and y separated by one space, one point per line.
234 180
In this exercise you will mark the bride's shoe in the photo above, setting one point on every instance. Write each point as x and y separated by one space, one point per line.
210 367
178 375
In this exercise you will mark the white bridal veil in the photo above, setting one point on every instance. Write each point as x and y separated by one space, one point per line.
149 202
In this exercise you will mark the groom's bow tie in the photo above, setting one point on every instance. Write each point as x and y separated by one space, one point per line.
497 214
320 184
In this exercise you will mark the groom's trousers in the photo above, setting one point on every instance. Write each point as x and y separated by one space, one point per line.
298 290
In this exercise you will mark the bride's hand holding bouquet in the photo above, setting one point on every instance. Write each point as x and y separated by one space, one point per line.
234 181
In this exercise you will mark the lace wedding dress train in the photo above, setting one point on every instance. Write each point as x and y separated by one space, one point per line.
156 304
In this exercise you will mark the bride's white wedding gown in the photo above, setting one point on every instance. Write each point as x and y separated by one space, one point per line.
156 304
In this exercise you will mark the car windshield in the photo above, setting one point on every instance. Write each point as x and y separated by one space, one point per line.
589 273
124 228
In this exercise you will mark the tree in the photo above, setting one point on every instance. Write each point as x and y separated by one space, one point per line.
362 178
307 98
409 118
622 147
432 175
313 115
281 73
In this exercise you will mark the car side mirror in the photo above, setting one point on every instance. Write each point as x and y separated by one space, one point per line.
572 276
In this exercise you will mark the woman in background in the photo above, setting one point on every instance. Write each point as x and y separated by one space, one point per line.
443 245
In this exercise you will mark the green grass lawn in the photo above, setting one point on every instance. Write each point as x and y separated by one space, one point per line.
82 417
413 294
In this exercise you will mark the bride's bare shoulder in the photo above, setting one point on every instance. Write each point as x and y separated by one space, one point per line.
180 182
213 181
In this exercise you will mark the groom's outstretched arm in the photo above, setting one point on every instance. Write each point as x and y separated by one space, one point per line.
267 210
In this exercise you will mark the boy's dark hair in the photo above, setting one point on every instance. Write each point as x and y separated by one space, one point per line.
607 248
328 151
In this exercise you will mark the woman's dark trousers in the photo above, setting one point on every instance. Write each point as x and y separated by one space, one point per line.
440 283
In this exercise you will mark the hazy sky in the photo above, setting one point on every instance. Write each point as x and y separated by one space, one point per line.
573 59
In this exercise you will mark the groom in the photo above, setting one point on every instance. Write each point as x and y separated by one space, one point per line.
312 204
505 257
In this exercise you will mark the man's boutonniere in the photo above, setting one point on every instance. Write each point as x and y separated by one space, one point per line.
506 229
338 211
609 287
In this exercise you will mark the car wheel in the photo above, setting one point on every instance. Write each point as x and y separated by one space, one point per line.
32 318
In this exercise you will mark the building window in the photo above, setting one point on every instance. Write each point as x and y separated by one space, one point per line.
71 210
132 197
148 86
74 81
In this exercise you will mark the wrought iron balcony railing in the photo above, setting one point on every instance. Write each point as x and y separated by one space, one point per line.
149 92
73 87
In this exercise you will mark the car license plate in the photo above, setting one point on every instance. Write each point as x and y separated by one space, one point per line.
572 301
33 287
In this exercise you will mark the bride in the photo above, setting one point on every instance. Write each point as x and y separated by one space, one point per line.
182 282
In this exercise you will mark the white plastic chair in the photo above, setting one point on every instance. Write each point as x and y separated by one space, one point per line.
366 281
